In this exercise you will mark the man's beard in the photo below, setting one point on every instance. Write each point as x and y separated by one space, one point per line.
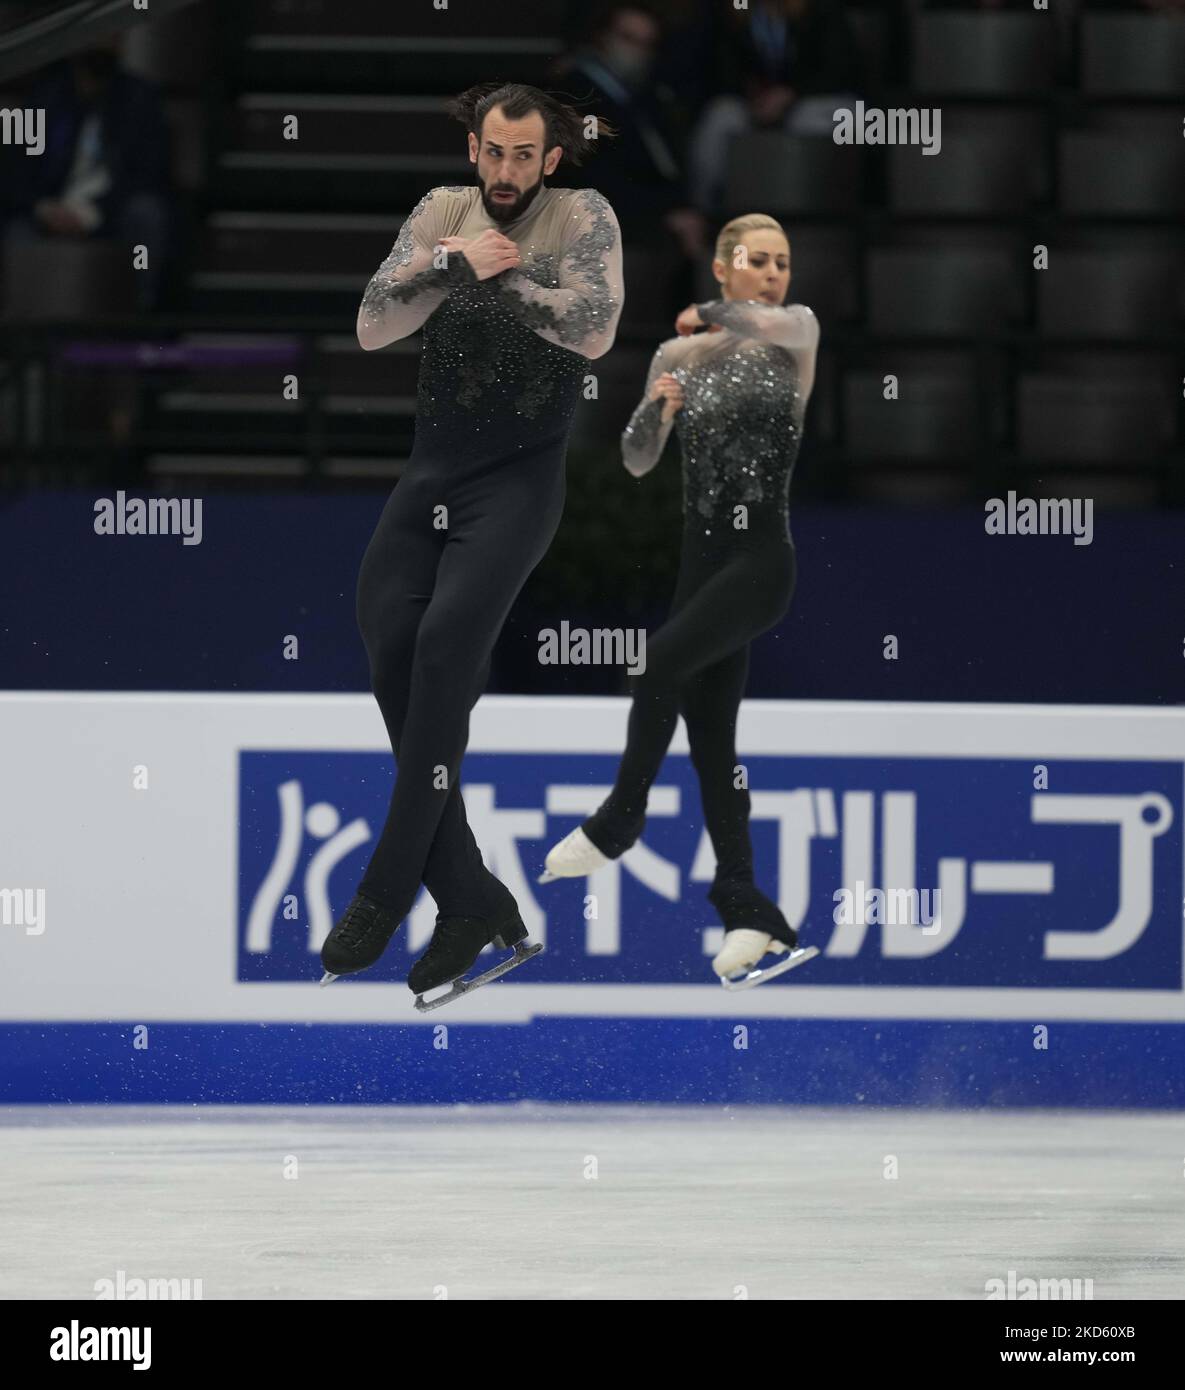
507 212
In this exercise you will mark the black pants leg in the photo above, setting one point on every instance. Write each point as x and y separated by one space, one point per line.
710 705
728 593
431 604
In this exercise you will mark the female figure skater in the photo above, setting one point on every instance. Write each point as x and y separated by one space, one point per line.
736 395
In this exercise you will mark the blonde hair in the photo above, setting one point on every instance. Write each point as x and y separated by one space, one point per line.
733 233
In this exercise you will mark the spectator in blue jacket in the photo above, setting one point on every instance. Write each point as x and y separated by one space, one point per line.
104 171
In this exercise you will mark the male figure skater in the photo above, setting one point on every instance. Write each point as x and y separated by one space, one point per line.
517 286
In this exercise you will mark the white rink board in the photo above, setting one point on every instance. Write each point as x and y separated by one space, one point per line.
141 885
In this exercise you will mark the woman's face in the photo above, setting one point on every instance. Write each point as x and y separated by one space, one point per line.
760 268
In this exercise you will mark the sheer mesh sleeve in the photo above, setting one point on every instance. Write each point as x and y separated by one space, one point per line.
582 313
786 325
645 437
411 282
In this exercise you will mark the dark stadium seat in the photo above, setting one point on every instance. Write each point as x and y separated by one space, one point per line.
1132 55
44 280
983 54
1085 419
971 175
1099 294
1107 175
791 174
941 293
935 419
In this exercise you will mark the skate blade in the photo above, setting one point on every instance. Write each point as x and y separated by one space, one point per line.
548 877
759 977
328 979
523 951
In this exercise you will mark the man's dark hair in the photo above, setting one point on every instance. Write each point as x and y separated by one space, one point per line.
563 124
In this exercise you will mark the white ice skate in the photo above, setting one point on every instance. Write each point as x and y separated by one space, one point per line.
574 857
744 948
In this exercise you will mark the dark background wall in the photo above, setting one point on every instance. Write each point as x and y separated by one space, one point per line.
1013 618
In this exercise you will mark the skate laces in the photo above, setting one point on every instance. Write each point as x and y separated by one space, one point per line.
448 933
361 918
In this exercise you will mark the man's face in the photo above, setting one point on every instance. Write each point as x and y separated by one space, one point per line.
510 163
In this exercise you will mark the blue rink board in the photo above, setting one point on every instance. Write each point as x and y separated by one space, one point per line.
606 1060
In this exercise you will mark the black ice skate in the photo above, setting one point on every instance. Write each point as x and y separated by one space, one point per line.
359 939
456 944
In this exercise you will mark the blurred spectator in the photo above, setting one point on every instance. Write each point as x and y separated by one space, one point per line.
641 172
104 171
778 65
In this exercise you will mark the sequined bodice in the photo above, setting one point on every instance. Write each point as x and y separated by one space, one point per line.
483 370
739 431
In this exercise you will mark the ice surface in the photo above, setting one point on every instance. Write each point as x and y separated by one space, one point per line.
502 1202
